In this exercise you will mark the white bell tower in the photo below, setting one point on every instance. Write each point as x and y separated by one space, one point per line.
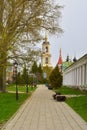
46 55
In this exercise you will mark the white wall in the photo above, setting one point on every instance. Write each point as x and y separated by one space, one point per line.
76 74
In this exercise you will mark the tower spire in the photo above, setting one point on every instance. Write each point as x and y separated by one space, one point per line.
60 58
60 61
67 58
46 36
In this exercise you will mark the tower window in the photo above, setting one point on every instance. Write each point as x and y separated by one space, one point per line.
46 49
46 60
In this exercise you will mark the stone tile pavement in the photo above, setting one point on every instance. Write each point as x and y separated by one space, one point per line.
41 112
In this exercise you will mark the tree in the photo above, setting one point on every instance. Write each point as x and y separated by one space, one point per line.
24 75
55 78
37 71
39 74
40 69
34 68
22 22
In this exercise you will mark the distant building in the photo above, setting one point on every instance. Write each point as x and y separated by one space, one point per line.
76 74
66 63
9 74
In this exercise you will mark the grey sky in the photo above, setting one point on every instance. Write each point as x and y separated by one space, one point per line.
74 23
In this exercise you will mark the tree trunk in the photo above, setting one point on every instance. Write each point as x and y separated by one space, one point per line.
4 79
3 66
1 78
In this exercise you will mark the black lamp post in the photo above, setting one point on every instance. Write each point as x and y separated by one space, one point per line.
15 76
26 81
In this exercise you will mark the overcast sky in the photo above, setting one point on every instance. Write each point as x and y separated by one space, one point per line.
74 23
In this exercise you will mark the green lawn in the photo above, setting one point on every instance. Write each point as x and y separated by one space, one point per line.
70 91
8 103
79 104
21 88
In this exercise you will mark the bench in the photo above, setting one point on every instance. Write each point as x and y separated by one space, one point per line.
59 97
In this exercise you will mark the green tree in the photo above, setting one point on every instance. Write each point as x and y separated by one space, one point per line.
21 23
34 68
40 69
55 78
39 74
37 70
24 75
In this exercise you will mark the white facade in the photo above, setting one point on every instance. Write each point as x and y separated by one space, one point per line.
76 74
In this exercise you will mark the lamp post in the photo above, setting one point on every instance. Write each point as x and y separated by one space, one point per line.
15 64
26 81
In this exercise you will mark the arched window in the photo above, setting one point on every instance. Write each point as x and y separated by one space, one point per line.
46 49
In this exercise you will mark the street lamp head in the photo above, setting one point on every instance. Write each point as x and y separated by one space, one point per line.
15 64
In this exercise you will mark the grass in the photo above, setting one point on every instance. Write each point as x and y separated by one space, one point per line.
69 91
21 88
8 103
79 103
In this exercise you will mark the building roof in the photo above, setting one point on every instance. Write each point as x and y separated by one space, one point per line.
80 60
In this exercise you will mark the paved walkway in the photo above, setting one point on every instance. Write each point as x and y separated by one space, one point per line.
41 112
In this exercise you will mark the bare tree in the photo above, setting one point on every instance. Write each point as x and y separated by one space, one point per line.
24 18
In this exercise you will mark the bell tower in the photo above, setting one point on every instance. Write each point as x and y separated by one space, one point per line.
46 55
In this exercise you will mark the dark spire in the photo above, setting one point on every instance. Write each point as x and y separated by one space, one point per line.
74 59
67 58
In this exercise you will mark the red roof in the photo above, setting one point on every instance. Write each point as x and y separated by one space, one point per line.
60 59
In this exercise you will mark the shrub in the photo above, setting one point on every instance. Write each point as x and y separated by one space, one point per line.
55 78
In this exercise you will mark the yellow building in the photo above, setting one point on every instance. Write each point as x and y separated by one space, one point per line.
46 58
